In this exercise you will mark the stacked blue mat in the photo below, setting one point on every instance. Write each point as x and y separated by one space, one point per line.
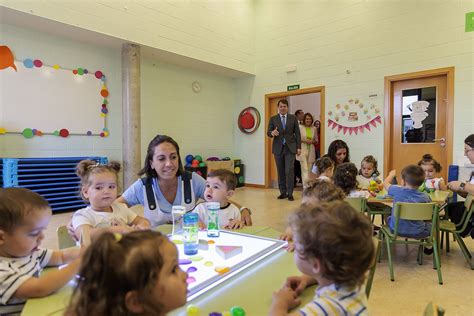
53 178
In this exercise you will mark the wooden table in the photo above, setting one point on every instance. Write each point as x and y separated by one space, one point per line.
251 289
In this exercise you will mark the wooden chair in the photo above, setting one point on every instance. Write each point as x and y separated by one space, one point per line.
418 212
446 227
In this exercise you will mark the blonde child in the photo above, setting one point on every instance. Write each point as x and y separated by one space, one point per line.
99 188
368 172
431 167
324 168
132 274
24 215
345 177
220 186
333 248
316 192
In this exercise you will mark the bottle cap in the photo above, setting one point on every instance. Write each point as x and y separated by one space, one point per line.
213 205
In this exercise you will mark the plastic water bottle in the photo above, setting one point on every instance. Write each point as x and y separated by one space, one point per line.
177 213
191 240
213 219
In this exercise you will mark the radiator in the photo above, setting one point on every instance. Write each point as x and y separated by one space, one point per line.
53 178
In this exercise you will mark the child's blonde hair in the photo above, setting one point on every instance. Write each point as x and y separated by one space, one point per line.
87 168
16 204
339 237
323 191
114 265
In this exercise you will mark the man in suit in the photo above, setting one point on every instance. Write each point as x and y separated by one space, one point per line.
284 130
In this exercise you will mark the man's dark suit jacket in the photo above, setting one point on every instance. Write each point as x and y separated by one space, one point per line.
291 133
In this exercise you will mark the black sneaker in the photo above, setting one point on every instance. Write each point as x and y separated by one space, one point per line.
428 251
282 196
291 198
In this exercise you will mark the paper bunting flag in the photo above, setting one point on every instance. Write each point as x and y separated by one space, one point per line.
355 129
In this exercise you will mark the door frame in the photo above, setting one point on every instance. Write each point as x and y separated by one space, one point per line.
388 108
284 94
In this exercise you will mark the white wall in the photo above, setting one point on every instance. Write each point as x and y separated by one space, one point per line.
201 123
26 43
219 32
371 39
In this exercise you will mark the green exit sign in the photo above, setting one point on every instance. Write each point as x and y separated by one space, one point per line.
293 87
470 22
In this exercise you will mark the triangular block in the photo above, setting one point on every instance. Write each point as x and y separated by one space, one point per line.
227 252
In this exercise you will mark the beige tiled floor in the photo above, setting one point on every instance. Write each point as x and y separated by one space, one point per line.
414 285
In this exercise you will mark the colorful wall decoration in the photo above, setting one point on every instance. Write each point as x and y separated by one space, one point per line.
354 116
40 99
249 120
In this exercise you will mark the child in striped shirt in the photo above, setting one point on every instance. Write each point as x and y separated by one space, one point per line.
333 248
24 216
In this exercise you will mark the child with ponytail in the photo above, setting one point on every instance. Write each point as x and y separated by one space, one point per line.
99 188
132 274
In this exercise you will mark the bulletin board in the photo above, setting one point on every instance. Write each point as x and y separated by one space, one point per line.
37 99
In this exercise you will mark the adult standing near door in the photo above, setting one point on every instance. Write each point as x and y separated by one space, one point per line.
308 154
285 131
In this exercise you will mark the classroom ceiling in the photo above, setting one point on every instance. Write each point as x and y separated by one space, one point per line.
31 21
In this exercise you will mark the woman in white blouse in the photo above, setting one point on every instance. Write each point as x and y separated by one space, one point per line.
309 137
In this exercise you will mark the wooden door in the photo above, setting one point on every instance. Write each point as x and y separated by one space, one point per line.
271 108
419 122
273 168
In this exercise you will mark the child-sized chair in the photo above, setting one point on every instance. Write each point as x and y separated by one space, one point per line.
418 212
433 309
370 277
358 203
64 240
447 227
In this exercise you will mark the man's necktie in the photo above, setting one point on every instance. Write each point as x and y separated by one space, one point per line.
283 122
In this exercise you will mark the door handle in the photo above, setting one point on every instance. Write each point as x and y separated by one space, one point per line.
442 139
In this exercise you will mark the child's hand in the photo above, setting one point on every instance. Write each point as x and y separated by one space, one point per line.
286 237
70 230
285 299
126 229
296 283
392 173
139 227
117 222
201 226
290 247
234 224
